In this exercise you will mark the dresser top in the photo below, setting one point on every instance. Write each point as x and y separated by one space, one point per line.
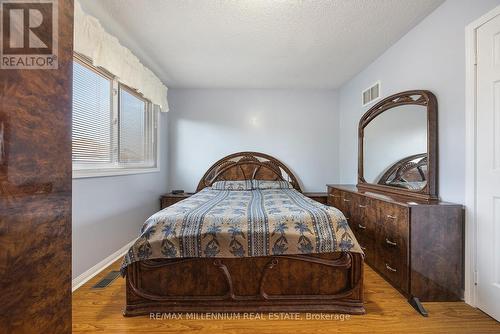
401 200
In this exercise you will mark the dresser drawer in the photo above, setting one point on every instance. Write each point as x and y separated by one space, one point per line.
393 268
362 221
381 229
363 218
367 246
391 243
392 237
335 198
341 200
393 229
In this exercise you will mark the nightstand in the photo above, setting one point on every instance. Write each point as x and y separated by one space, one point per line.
170 199
318 197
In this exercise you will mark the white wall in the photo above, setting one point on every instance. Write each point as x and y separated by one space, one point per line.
109 211
299 127
431 56
314 132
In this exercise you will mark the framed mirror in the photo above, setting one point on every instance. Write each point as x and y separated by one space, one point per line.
397 146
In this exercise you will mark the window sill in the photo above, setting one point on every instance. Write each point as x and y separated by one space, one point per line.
82 173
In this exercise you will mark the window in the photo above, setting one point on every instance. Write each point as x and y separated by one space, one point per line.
92 116
114 128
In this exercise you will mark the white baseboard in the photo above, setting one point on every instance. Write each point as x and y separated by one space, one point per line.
87 275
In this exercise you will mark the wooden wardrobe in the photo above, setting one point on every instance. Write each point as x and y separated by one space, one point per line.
35 191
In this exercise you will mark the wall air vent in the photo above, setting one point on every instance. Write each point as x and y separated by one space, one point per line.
371 94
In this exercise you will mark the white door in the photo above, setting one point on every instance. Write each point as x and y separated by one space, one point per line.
488 167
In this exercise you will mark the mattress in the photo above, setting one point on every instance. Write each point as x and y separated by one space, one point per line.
242 223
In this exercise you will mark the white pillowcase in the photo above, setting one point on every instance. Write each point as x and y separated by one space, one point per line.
232 185
264 184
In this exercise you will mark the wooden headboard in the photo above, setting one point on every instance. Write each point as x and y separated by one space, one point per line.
248 166
407 169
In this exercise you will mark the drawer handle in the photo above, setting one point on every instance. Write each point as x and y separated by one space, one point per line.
362 248
346 200
334 196
362 206
389 242
362 227
390 268
347 218
391 217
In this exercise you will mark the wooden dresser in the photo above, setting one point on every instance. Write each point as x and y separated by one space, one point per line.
416 246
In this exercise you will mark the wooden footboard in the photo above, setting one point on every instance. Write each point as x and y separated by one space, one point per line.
331 282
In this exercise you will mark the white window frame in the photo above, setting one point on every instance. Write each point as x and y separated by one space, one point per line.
116 170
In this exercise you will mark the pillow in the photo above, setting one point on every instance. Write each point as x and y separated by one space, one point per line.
263 184
232 185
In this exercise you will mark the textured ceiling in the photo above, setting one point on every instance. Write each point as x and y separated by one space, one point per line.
257 43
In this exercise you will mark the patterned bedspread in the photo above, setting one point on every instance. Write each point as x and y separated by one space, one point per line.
228 223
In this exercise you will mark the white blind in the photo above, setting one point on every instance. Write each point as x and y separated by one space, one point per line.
132 119
92 116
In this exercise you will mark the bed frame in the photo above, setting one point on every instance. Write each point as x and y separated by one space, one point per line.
328 282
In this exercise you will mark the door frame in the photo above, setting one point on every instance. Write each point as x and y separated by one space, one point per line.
470 293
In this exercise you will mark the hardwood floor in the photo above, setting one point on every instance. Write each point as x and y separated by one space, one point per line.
99 311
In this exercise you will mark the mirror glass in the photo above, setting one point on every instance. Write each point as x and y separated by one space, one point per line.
395 148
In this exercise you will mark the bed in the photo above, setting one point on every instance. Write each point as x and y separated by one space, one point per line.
247 241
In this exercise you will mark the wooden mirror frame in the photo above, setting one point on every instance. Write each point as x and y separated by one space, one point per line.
411 97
